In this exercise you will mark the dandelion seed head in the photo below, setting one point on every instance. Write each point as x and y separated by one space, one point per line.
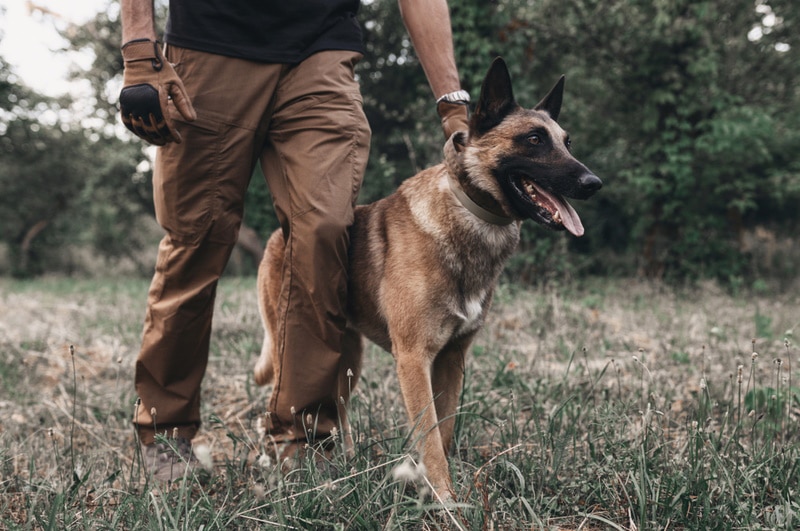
175 432
264 461
259 491
309 419
293 411
754 356
153 411
349 373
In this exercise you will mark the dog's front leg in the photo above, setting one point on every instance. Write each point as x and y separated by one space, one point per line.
414 373
447 379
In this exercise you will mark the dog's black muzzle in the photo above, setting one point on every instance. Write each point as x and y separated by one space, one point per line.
586 185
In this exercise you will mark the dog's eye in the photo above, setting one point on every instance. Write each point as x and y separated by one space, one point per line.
568 143
535 139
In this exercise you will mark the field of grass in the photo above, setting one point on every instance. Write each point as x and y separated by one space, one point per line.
599 405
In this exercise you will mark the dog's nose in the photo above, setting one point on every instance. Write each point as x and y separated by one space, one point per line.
589 183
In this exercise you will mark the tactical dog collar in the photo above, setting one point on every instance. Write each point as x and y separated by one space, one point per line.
455 170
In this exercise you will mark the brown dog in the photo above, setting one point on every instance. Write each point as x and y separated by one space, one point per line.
425 260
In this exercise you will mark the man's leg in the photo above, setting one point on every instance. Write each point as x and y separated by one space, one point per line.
314 161
199 187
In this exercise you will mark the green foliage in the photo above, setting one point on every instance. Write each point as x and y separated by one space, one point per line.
688 111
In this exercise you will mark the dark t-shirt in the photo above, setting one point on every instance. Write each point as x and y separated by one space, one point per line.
273 31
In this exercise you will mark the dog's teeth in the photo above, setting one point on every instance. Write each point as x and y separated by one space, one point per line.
557 217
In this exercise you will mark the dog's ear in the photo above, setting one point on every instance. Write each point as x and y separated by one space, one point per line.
496 101
551 104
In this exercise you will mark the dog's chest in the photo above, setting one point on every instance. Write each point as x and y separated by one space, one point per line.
469 313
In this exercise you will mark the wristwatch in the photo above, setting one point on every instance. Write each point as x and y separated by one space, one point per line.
458 96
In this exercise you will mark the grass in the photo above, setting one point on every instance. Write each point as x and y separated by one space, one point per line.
599 405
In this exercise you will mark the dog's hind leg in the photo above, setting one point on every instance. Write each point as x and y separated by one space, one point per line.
269 285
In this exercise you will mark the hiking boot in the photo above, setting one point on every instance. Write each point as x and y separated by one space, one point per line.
170 459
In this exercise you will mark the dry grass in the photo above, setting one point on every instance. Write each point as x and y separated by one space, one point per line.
600 405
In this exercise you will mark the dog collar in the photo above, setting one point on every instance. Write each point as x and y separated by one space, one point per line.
454 170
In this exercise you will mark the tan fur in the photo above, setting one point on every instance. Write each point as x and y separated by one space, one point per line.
422 273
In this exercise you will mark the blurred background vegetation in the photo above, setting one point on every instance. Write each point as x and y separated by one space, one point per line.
688 110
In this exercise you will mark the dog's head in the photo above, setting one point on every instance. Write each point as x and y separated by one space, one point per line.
528 154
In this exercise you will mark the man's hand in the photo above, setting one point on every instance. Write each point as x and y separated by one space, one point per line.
454 117
148 83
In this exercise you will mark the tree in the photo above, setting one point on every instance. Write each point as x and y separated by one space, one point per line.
687 119
64 184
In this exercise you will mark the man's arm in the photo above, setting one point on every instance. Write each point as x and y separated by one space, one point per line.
148 80
428 25
138 20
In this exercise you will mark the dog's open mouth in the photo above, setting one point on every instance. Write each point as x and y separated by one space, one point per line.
548 208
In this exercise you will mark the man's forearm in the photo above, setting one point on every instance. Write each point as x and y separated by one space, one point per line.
428 25
138 20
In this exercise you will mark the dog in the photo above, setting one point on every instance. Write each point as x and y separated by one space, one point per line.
424 261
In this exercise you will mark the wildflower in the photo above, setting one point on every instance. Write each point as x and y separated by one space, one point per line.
702 383
754 356
293 411
739 370
175 432
309 420
349 373
153 411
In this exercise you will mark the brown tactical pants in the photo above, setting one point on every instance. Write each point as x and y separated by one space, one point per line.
306 125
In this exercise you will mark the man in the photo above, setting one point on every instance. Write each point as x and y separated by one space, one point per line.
240 82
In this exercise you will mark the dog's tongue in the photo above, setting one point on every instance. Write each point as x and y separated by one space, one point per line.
569 218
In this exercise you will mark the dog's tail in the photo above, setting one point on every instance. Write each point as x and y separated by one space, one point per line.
268 291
